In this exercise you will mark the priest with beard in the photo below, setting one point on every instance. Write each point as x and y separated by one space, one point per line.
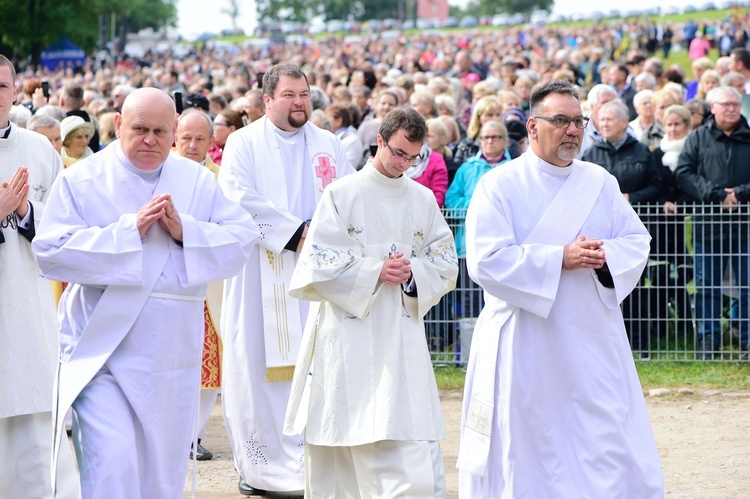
552 402
276 168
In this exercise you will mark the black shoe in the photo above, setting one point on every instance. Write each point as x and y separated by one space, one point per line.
203 454
247 490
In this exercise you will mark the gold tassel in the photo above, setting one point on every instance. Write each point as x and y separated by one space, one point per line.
279 374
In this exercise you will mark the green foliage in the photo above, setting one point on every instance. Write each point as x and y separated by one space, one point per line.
284 10
490 7
26 28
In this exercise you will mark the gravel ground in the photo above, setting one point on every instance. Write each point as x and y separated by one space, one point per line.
703 439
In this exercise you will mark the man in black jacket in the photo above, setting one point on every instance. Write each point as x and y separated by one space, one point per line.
634 166
713 168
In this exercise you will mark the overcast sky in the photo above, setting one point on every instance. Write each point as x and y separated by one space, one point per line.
198 16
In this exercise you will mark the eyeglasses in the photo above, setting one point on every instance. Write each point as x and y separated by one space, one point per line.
222 124
562 121
408 159
489 138
731 105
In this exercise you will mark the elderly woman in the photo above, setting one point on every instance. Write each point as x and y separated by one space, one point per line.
677 125
668 244
634 166
645 111
487 109
493 139
629 160
76 134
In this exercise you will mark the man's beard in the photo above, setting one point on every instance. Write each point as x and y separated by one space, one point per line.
568 151
298 123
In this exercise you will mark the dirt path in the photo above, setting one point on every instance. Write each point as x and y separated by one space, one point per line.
703 439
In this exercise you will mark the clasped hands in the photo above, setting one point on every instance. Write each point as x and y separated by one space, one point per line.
160 209
396 270
584 253
14 194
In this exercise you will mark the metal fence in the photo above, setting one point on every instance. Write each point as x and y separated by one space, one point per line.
691 302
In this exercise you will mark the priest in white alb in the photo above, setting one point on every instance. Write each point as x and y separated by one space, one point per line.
138 233
28 328
552 402
378 256
276 168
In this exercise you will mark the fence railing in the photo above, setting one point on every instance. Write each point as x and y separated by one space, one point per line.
691 302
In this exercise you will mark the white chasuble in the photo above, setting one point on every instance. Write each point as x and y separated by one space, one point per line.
364 373
261 325
559 412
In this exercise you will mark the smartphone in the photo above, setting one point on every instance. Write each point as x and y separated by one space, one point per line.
178 102
373 149
260 79
45 89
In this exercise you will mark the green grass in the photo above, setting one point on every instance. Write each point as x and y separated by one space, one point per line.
696 375
450 377
701 375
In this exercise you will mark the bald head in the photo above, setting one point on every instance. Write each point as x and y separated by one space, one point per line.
146 127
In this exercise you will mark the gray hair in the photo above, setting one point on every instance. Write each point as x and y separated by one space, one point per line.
41 121
599 91
19 115
446 101
618 108
727 79
646 78
319 119
717 93
196 110
643 94
125 90
319 98
49 110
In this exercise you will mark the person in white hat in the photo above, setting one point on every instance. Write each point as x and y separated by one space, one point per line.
76 134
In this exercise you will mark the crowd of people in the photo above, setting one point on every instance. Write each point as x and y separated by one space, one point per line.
306 149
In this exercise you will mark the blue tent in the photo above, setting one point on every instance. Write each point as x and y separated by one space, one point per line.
63 52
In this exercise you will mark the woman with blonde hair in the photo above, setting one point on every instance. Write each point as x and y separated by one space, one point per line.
487 109
106 129
699 67
509 99
710 79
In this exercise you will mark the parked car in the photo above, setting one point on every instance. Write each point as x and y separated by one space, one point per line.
450 22
373 25
539 17
500 20
334 26
468 22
